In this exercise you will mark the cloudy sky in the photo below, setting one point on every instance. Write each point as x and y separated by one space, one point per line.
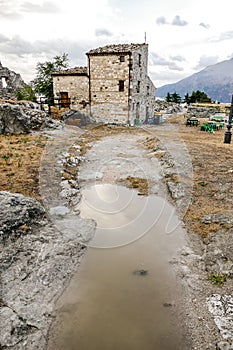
184 36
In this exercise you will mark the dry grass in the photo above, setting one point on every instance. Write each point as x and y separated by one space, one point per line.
141 184
212 168
19 163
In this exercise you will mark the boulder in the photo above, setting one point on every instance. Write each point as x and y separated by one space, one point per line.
22 117
18 214
13 120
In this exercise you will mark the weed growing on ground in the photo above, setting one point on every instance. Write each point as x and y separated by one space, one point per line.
7 157
202 183
217 278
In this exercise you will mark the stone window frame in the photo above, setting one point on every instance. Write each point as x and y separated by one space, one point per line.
122 58
138 86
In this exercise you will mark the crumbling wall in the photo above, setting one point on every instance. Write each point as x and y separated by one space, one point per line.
9 82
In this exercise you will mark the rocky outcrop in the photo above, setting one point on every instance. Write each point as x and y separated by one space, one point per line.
23 117
13 120
18 214
36 262
9 82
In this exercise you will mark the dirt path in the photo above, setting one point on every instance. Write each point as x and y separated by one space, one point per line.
142 154
197 185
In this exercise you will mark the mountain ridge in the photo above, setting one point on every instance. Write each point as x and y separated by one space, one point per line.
215 80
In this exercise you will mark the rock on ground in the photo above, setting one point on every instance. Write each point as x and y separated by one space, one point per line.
18 214
37 261
23 118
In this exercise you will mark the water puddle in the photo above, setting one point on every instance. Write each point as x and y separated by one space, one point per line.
125 294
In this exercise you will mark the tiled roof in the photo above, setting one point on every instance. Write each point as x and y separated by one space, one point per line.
72 71
116 48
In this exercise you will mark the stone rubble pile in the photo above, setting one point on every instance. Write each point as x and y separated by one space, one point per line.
24 117
167 107
202 112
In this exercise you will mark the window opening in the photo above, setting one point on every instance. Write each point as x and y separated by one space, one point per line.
4 82
121 85
139 60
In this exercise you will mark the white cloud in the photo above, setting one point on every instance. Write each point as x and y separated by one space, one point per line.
103 32
204 25
161 20
43 8
9 10
180 40
205 61
177 21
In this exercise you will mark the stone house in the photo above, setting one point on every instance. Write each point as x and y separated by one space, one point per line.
115 87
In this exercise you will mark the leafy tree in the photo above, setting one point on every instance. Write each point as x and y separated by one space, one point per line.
175 98
199 96
187 98
168 97
26 93
43 82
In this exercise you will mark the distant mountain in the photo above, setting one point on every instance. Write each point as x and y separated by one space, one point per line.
216 81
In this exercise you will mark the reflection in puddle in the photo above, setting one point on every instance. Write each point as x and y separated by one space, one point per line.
121 215
120 296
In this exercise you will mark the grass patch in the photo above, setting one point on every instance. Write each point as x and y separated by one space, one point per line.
217 278
202 183
141 184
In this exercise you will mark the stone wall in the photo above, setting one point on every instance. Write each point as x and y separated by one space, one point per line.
77 87
9 82
137 99
116 85
107 102
142 88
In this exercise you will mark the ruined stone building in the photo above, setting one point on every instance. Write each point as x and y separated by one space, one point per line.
9 82
115 87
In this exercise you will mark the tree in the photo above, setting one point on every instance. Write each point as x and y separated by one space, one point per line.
168 97
187 98
26 93
175 98
43 82
199 96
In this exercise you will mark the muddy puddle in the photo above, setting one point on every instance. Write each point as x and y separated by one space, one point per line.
126 294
